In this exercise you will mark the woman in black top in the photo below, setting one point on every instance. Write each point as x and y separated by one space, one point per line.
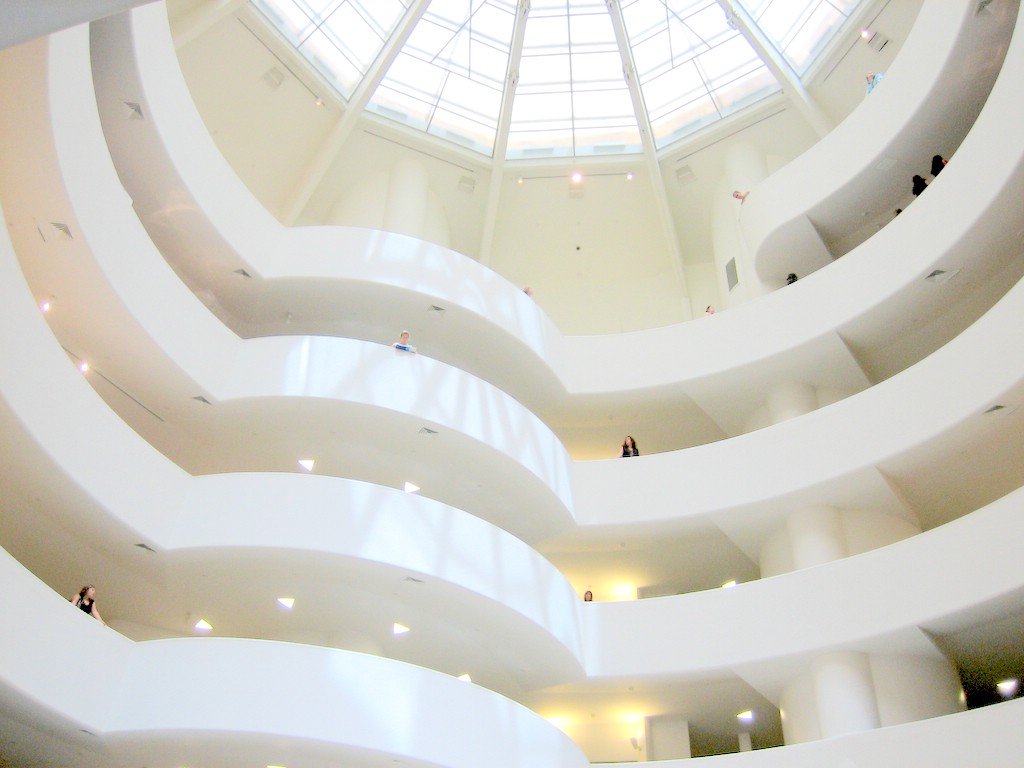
920 185
85 600
937 164
629 447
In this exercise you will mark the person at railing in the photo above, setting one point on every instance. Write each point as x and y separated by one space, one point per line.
85 600
403 343
629 447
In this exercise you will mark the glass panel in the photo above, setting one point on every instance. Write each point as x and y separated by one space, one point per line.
341 38
800 29
455 60
571 85
813 36
693 67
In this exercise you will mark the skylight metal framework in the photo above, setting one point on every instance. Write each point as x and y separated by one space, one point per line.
693 64
340 38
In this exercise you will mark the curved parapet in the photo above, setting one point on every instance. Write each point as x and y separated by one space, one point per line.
191 202
862 170
835 605
357 538
722 366
265 700
287 377
845 454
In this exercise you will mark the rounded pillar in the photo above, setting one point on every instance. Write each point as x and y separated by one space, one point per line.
816 536
405 211
786 401
844 693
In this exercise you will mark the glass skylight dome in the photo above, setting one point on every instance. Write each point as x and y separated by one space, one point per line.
558 78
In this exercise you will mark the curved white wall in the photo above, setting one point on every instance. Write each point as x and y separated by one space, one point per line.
926 104
862 603
226 368
648 483
137 488
701 635
351 704
796 332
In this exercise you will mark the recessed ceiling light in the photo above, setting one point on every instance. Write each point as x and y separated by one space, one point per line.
941 276
399 629
577 178
520 180
63 230
83 366
410 487
287 602
307 464
319 102
466 678
1008 688
629 176
746 717
203 625
1002 410
729 584
46 305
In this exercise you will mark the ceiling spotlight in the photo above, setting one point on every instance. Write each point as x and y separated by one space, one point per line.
729 584
746 717
1002 410
577 178
465 678
203 625
520 180
307 464
410 487
319 101
941 276
1008 688
286 602
399 629
629 176
46 304
83 366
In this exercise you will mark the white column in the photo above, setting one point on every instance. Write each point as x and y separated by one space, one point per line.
786 401
844 693
406 209
816 536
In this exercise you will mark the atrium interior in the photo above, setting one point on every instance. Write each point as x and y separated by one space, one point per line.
312 548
